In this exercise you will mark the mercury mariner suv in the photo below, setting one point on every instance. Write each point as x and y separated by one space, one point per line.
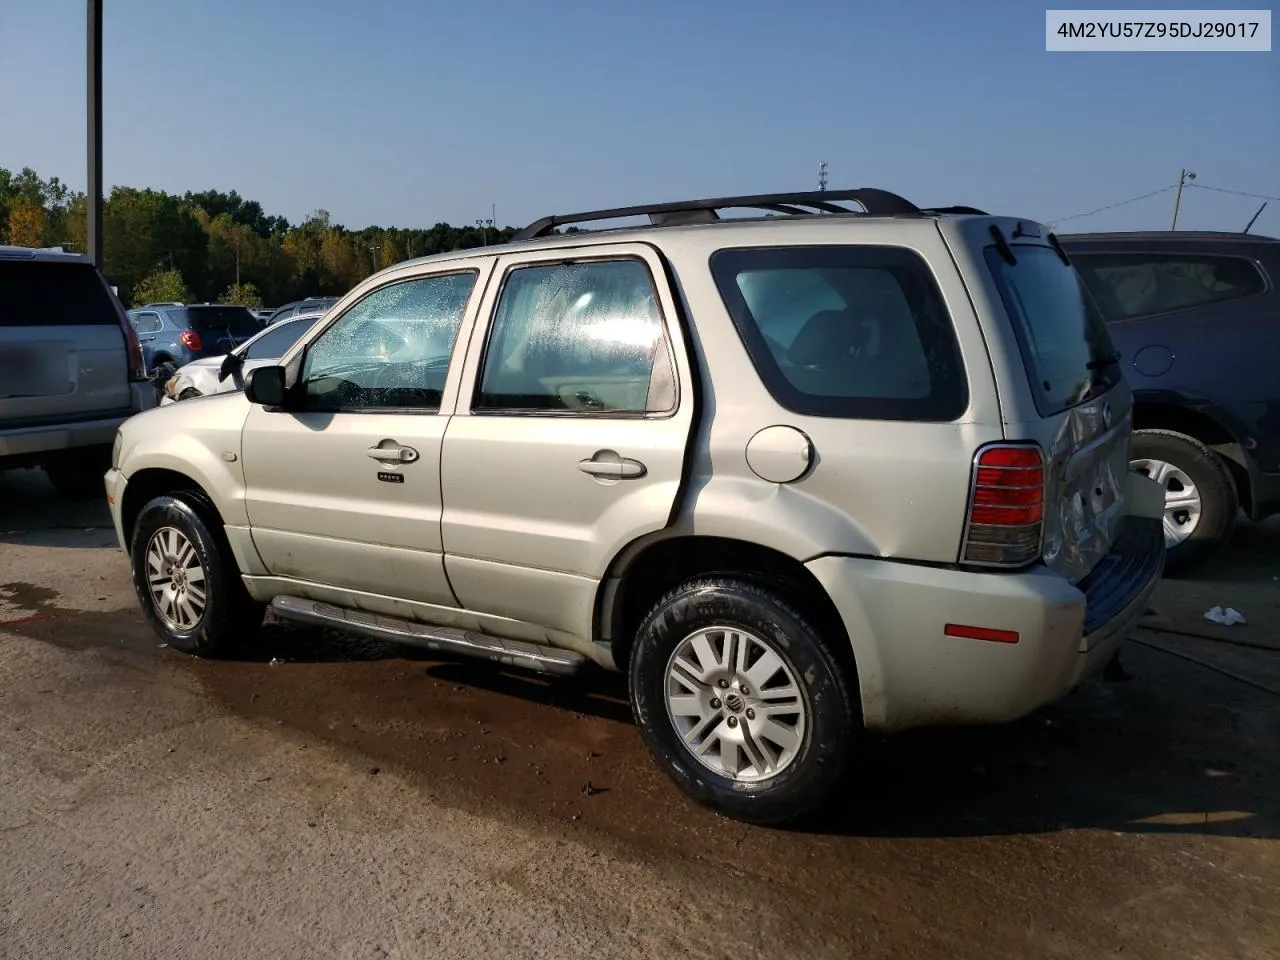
799 472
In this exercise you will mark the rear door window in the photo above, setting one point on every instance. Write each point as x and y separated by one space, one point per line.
1060 330
1129 286
273 345
845 331
35 293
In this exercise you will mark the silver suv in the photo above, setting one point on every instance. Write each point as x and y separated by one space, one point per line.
71 368
798 476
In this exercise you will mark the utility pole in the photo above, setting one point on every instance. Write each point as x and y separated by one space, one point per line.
1184 177
822 176
93 64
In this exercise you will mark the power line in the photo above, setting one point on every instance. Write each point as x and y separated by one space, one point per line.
1237 193
1111 206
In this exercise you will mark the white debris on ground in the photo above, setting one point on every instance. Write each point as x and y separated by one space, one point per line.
1229 617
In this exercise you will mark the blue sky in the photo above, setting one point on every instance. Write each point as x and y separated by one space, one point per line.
395 112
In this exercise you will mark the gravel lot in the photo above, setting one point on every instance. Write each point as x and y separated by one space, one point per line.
331 797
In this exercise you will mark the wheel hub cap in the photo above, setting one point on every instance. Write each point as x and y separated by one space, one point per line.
1182 501
175 579
735 703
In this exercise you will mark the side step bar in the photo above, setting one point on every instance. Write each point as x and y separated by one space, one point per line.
513 653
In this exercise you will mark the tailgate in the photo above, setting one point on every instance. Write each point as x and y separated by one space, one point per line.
62 352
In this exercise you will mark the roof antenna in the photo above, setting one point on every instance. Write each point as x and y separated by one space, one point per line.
1256 215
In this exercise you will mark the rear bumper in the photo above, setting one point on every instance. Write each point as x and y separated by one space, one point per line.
34 444
911 673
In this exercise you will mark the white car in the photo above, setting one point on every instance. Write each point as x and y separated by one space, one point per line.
205 376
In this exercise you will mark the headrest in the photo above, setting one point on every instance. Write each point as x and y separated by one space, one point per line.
827 336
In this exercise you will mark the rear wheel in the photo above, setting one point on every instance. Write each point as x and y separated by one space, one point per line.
741 702
1200 501
187 579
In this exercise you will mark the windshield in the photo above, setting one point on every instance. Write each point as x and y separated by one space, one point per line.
233 319
1062 334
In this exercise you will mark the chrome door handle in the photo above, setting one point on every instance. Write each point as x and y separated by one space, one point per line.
609 464
393 453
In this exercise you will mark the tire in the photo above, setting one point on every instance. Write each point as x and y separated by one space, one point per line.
809 770
1174 458
80 475
163 372
229 615
189 394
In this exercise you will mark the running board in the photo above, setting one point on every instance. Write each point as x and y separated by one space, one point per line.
513 653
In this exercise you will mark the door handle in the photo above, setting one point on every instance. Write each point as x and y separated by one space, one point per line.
610 464
391 452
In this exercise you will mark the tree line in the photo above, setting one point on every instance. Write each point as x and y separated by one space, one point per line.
213 246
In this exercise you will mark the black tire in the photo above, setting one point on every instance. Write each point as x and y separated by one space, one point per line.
230 615
80 475
189 394
1219 503
833 717
164 371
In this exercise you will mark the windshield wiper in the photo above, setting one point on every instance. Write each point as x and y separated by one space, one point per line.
1105 360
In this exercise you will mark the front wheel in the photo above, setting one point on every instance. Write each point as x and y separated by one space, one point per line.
187 579
741 701
1200 501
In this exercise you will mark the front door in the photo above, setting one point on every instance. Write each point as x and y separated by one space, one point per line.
570 433
344 490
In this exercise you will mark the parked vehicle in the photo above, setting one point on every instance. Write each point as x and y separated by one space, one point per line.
1196 317
174 334
262 314
71 368
307 306
226 373
797 476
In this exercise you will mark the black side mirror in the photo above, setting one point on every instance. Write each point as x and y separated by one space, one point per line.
232 364
265 386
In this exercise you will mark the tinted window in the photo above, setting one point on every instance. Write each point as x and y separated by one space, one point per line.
235 319
273 345
284 313
389 350
1129 285
43 294
1060 331
845 331
582 338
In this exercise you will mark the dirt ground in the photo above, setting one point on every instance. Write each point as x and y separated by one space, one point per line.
331 797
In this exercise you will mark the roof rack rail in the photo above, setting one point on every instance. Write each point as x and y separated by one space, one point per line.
875 202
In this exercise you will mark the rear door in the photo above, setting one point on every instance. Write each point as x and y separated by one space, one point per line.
1060 384
62 351
571 430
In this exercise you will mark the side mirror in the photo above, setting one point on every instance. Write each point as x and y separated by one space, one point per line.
265 386
232 364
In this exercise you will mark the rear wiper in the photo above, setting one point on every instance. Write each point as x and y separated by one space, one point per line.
1105 360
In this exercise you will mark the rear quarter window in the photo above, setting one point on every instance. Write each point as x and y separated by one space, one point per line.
1129 286
35 293
858 332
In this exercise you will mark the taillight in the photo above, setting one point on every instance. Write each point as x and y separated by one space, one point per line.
191 340
137 366
1005 524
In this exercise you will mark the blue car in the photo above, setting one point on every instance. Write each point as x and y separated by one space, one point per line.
173 334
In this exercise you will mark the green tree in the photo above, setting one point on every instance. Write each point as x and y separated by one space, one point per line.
146 231
27 223
243 294
161 287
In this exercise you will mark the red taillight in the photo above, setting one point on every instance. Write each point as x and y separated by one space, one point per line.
1006 513
191 340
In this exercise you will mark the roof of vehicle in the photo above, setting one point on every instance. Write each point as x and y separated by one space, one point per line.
44 254
1187 236
783 211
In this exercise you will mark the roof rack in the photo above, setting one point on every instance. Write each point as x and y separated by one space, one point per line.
875 202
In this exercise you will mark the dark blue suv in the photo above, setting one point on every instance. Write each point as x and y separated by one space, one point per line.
173 334
1196 319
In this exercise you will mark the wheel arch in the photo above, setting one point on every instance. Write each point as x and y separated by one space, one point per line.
643 572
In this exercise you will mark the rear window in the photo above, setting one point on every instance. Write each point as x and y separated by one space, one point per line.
42 294
845 331
222 318
1060 330
1132 285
